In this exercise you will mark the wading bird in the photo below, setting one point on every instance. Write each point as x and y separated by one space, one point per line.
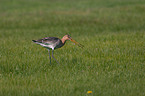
52 43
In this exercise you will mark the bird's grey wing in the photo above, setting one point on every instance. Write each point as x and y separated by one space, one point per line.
48 40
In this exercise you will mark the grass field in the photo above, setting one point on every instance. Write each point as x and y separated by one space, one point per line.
110 64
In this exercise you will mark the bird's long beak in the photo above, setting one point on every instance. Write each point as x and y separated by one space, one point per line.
80 45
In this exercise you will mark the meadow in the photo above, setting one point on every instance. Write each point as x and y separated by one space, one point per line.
110 64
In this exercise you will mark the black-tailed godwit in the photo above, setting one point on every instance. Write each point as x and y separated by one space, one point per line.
52 43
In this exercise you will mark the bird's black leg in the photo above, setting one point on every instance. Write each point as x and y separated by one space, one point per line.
49 55
53 57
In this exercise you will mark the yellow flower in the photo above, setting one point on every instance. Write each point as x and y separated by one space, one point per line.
89 92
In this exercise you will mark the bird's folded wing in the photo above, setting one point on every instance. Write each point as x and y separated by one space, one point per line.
48 40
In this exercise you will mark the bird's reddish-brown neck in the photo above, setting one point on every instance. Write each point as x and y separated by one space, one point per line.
63 40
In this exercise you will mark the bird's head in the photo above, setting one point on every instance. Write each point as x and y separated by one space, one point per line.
67 37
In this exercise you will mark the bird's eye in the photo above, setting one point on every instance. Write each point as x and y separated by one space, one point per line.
69 36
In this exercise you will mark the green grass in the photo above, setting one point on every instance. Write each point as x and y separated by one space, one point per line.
111 63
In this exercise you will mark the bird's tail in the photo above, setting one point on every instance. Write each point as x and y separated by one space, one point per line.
34 40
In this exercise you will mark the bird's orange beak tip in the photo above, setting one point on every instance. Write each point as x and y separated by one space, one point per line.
80 45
